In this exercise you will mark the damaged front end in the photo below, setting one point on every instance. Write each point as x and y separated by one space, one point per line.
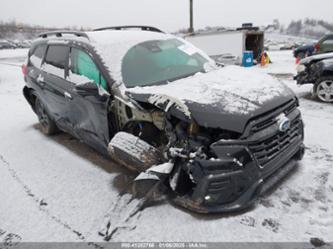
214 170
309 73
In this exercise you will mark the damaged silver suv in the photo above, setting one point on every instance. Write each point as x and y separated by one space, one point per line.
217 137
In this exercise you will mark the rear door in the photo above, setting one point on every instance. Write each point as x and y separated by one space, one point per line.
89 115
35 73
55 87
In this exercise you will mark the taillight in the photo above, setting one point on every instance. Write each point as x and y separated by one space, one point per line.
24 69
317 47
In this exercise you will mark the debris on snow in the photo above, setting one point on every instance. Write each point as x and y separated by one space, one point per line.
317 242
248 221
271 224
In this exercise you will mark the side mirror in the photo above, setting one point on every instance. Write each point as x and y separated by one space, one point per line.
87 89
91 89
219 64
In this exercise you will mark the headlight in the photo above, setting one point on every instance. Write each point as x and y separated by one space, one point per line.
193 129
239 154
300 68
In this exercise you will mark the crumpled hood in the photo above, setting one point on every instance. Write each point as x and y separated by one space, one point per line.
226 98
317 57
327 62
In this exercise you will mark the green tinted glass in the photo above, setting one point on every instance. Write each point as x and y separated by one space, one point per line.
159 61
82 64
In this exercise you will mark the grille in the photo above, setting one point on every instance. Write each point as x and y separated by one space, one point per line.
268 149
265 122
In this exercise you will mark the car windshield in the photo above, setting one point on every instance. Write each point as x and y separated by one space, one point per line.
161 61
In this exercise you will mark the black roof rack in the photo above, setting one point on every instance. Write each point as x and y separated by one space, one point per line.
59 33
145 28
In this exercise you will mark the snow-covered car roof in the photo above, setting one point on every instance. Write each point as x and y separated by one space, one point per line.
112 45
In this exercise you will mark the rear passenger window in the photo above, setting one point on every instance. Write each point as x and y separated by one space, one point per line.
37 56
56 60
329 40
83 69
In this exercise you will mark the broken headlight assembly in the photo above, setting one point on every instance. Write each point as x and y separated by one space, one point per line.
219 179
223 159
300 68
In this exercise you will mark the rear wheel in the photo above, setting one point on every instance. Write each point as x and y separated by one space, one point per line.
324 89
48 126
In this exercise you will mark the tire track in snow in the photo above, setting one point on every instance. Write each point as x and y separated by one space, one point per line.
315 194
41 204
9 239
125 211
118 217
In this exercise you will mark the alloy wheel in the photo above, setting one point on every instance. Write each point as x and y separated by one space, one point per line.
325 91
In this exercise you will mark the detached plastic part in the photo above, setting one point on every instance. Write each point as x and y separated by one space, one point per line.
157 172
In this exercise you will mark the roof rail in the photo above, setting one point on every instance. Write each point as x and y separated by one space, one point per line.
144 28
60 33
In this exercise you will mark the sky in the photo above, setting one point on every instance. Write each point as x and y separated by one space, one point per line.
169 15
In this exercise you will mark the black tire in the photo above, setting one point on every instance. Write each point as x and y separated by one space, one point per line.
323 89
47 125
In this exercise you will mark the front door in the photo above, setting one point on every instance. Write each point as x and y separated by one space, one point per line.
89 115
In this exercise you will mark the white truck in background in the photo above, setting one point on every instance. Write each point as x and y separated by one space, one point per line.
229 44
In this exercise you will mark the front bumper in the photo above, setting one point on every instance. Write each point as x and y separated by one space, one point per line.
303 78
243 169
310 74
260 185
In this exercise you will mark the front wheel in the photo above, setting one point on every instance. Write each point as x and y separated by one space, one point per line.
48 126
323 89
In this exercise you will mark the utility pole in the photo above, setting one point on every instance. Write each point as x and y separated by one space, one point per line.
191 29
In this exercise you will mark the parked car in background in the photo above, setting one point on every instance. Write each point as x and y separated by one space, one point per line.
317 70
217 138
4 44
22 43
325 44
304 51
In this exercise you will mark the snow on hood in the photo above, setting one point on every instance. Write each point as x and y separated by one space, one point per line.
235 89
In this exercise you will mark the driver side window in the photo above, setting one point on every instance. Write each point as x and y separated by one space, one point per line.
329 41
83 69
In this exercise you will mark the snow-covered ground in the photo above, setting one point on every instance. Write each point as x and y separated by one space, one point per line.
58 189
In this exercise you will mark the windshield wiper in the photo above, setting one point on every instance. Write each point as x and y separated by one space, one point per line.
164 82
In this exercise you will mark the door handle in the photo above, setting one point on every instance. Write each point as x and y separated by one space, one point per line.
68 95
